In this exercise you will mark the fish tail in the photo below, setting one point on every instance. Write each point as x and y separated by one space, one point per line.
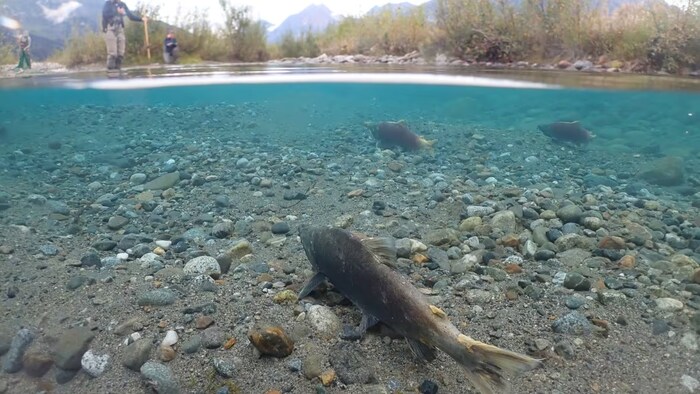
488 367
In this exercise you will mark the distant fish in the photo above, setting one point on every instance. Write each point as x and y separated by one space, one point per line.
567 131
359 268
397 134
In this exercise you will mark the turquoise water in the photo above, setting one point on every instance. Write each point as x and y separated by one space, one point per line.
622 120
252 150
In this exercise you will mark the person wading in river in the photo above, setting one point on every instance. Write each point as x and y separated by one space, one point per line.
113 14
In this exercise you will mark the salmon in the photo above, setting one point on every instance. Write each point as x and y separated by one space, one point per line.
360 268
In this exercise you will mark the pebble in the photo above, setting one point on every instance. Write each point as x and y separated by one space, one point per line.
350 364
690 383
192 345
575 302
37 363
225 368
166 353
158 297
668 304
20 343
138 178
163 182
203 265
271 341
212 338
428 387
280 228
160 378
94 364
573 323
136 354
324 320
70 347
117 222
170 338
49 250
202 323
577 282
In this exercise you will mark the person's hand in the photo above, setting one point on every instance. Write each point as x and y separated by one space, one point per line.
144 18
121 10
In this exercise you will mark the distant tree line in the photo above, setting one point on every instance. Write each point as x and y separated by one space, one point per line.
650 35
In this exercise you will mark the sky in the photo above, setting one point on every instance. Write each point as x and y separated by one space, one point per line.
273 11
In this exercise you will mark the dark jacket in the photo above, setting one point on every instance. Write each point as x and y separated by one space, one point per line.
170 44
110 15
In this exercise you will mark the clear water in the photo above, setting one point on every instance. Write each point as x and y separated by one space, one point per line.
73 139
630 114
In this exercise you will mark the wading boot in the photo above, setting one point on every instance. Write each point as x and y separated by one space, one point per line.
118 62
111 62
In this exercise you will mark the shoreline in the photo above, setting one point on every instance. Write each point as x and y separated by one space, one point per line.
410 59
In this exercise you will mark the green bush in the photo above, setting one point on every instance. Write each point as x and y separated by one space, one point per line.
8 54
305 45
81 49
245 37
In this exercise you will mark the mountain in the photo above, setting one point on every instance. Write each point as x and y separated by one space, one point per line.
394 8
315 17
50 22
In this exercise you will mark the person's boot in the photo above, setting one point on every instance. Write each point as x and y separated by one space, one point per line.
118 62
111 62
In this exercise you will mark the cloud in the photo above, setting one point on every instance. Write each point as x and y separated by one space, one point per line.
61 13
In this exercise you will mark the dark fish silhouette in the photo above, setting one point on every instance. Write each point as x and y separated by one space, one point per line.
358 268
567 131
397 134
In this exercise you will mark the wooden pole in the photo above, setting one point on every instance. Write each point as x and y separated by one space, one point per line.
148 44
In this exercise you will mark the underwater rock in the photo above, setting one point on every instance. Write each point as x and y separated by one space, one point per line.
272 341
163 182
667 171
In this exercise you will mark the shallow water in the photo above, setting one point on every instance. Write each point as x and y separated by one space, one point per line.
76 223
630 114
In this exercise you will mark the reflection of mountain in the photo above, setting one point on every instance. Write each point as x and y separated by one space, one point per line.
50 21
314 18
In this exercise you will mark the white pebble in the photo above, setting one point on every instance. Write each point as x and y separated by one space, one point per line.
94 364
123 256
669 304
164 243
170 338
690 383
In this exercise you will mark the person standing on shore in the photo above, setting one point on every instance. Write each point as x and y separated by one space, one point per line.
170 49
113 14
24 41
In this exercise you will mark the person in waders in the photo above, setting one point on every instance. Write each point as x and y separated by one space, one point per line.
170 48
24 41
113 14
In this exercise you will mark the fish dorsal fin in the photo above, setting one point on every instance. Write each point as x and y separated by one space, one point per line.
383 248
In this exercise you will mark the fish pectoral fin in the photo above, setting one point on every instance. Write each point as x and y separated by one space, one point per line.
355 333
313 283
368 321
383 248
422 351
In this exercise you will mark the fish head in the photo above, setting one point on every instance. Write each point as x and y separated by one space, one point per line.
373 128
545 128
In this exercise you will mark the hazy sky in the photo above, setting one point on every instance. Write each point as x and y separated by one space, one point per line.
273 11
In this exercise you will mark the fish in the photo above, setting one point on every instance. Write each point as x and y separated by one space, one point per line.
360 269
397 134
567 131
